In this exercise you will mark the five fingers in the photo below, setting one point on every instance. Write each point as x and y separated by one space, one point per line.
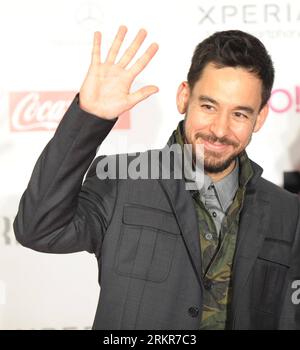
127 57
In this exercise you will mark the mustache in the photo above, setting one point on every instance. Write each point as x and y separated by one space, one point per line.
213 138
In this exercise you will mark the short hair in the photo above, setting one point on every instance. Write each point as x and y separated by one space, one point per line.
234 48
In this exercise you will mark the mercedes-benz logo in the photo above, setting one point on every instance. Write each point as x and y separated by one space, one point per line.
89 15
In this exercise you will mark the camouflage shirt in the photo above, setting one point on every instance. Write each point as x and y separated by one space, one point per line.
217 253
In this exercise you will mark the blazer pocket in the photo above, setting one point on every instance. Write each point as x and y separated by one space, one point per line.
269 277
147 243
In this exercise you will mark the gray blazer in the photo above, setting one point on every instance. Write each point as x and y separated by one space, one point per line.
144 234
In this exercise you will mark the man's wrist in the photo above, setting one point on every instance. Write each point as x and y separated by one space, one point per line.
88 114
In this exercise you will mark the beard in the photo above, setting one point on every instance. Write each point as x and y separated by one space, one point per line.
213 166
214 162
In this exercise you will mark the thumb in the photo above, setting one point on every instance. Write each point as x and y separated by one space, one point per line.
142 94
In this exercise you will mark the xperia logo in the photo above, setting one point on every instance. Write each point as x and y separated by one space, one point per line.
270 13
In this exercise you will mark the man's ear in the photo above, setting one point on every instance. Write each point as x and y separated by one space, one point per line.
261 118
182 97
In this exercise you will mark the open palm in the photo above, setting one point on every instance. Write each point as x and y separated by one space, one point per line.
105 91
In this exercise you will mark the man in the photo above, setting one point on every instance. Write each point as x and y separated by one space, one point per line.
222 256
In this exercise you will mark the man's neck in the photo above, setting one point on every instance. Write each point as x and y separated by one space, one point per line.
219 176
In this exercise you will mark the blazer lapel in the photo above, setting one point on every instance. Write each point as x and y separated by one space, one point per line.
182 204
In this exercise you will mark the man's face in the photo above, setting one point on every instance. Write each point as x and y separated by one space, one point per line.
222 111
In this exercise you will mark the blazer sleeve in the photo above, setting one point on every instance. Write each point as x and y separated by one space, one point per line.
57 214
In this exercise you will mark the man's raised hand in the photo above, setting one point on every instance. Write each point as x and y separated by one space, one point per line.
105 91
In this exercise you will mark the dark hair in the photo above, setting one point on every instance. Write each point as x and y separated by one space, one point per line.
234 48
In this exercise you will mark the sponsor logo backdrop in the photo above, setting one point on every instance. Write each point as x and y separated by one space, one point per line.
45 52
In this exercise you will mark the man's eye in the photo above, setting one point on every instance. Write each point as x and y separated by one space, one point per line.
208 107
240 115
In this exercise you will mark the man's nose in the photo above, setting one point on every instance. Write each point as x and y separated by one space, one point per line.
220 125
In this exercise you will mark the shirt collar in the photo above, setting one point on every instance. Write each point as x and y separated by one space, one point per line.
226 188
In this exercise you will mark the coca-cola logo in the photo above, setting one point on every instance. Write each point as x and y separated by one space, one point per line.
42 111
38 110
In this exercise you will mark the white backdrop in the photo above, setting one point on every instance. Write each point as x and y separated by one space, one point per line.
45 52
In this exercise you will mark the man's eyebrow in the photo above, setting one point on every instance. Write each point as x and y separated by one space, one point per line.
247 109
203 98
